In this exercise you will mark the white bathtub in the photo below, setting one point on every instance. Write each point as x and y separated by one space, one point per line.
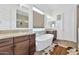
43 41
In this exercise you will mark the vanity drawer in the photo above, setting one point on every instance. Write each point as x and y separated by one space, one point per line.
21 38
7 41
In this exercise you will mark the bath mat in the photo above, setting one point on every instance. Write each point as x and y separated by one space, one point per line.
60 50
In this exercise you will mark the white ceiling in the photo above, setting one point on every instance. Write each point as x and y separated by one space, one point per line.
50 8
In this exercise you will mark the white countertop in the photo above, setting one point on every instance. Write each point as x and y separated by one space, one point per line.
9 35
50 29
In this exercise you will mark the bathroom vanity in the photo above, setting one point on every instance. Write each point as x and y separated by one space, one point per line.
17 44
54 32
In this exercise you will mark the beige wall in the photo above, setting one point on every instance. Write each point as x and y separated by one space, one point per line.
38 20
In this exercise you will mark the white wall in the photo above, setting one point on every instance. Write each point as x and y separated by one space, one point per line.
69 22
30 16
8 16
5 16
13 16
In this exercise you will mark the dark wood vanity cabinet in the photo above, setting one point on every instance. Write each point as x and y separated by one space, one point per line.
32 44
6 46
54 32
24 45
6 50
21 45
22 48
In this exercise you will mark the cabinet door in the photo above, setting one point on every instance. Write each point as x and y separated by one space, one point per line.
6 50
21 48
32 44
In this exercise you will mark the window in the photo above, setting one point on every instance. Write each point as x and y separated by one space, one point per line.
38 19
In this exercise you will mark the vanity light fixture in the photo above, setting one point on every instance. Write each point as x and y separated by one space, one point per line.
37 10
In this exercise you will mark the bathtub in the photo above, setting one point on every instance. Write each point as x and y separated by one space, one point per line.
43 41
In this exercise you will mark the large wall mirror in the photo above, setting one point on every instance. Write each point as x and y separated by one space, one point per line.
22 18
